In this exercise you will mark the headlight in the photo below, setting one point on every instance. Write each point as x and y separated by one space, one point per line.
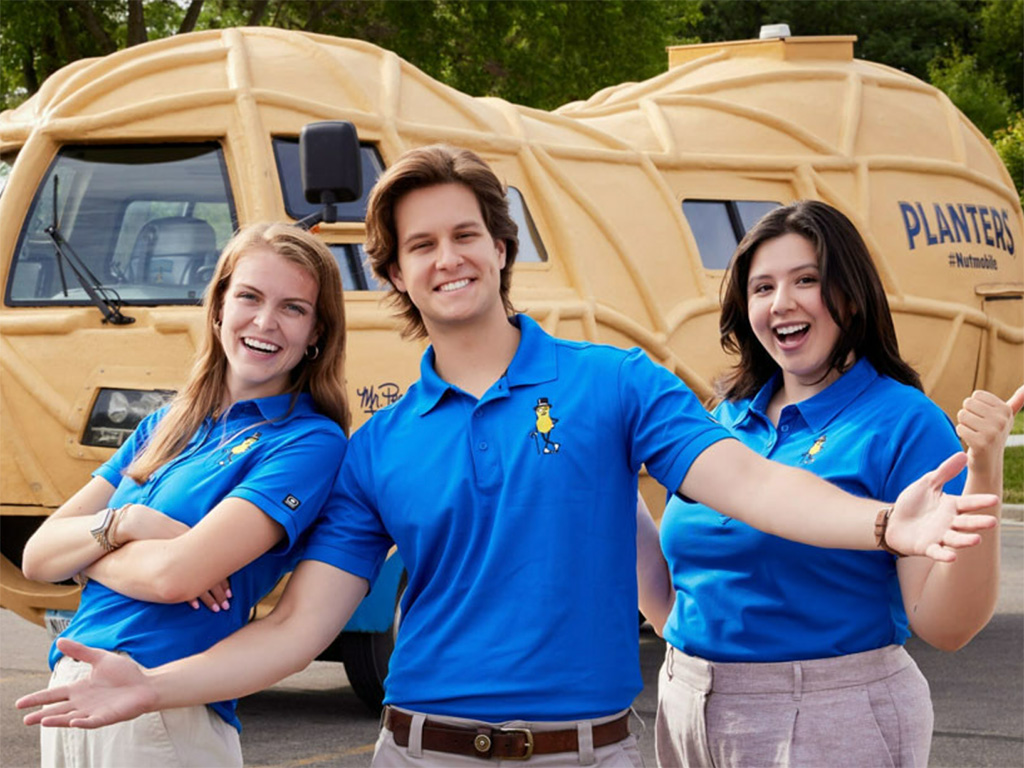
117 412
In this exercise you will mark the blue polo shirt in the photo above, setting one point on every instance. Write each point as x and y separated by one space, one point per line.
748 596
284 462
515 515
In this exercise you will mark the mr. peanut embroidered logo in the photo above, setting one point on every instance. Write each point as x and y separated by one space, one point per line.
545 423
813 451
241 448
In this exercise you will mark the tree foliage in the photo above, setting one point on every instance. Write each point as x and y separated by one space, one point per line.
978 93
1009 143
540 53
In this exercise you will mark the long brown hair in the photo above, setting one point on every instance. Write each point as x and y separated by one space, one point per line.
850 287
428 167
323 376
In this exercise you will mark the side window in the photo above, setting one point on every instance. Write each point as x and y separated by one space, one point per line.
286 153
6 163
531 247
141 224
719 225
355 273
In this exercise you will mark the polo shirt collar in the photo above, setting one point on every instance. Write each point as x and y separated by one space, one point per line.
275 409
818 411
534 362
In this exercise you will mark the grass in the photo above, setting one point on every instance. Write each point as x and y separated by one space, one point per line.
1013 475
1013 466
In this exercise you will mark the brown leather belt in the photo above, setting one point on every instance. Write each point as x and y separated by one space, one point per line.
500 743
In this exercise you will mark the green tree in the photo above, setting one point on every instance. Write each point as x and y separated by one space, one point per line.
38 38
1000 46
904 34
1009 143
978 93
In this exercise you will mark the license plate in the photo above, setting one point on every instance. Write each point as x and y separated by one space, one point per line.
57 621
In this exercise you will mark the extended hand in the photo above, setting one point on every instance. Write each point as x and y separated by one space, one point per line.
117 689
926 521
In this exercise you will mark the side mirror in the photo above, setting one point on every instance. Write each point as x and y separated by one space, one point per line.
331 167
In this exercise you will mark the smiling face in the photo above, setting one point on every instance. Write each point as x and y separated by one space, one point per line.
267 320
788 314
448 263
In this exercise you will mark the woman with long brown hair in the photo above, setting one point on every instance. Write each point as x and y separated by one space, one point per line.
784 654
208 499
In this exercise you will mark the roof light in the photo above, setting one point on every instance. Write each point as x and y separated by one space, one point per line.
770 31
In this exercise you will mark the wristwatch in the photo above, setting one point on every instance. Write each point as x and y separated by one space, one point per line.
105 517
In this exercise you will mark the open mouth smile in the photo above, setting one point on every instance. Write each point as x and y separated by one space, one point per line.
791 333
454 285
260 346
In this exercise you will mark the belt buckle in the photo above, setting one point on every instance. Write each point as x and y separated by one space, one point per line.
528 734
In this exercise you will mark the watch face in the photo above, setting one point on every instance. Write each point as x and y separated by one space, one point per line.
99 531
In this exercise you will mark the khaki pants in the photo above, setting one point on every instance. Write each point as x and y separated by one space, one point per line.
191 736
863 709
623 754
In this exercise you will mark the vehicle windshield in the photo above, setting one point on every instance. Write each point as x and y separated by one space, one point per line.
148 221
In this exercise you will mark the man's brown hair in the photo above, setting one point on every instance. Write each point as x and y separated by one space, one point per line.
428 167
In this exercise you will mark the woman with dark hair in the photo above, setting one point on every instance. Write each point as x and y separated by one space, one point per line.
219 485
784 654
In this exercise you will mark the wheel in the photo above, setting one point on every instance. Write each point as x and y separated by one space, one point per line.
366 656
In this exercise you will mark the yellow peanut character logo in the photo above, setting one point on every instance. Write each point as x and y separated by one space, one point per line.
545 423
814 450
241 448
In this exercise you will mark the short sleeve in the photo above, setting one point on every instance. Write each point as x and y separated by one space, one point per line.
668 428
113 469
924 440
292 482
350 533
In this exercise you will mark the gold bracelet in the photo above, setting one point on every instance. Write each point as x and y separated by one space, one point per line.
118 516
881 526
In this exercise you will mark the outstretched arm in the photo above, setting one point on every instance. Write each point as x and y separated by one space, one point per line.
947 604
787 502
656 595
315 606
231 535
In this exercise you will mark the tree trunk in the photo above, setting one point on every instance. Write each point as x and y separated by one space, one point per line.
104 42
256 11
68 36
136 23
191 17
28 70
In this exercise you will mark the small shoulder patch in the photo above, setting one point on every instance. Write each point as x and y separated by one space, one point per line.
291 502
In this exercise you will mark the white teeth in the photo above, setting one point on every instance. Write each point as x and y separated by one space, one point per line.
260 346
785 330
455 285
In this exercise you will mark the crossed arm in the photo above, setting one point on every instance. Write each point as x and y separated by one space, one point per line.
163 560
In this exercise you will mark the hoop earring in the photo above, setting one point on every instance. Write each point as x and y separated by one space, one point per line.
312 352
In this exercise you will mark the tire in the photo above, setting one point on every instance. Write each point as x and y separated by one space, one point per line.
366 656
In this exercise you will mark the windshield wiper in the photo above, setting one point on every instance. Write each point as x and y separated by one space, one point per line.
106 299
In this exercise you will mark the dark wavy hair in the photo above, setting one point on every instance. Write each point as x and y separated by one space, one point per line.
428 167
850 287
